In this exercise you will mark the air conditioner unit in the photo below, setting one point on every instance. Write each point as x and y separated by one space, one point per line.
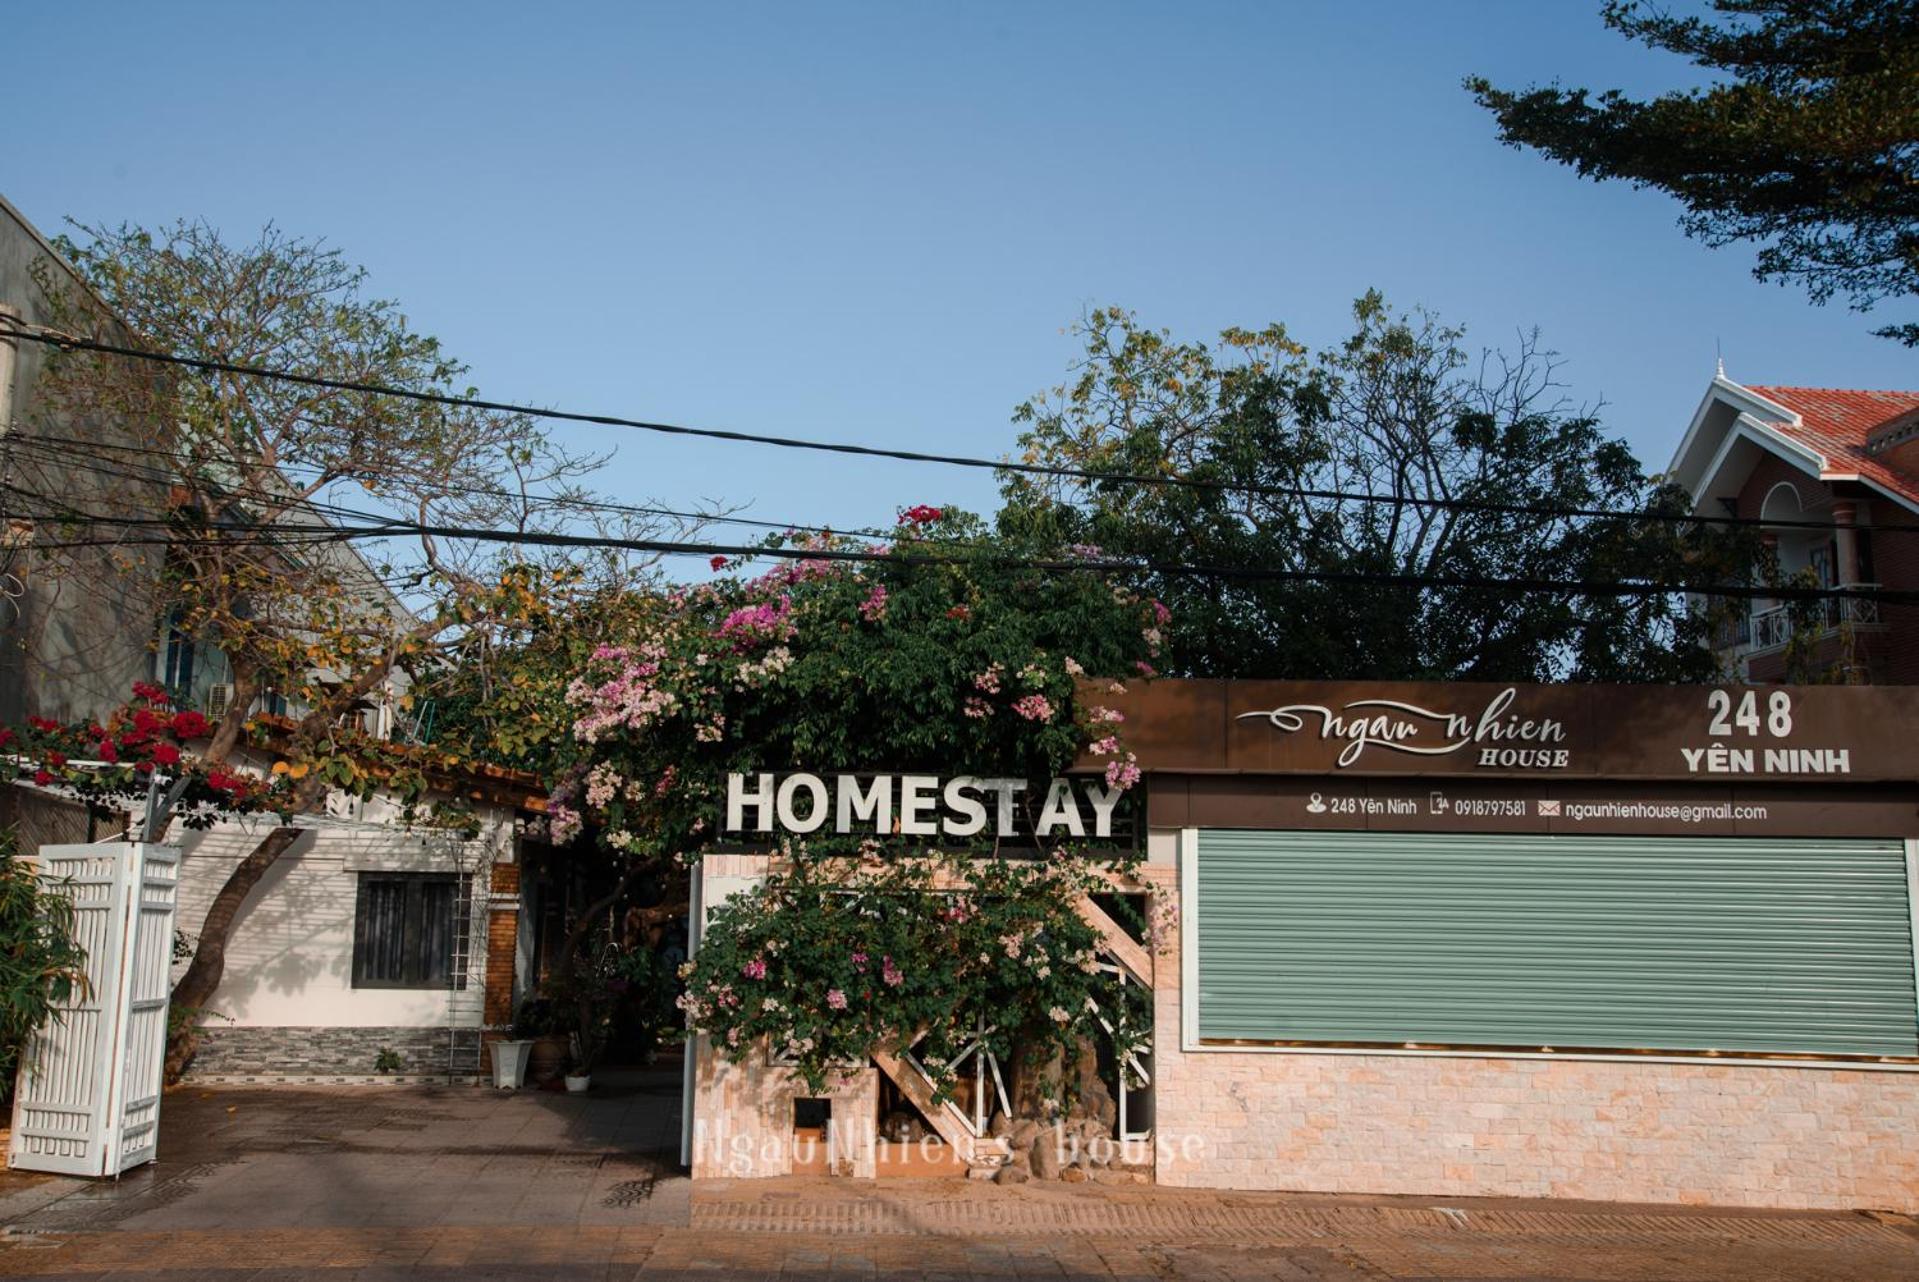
219 700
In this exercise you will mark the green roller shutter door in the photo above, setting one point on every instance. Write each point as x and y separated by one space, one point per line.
1697 944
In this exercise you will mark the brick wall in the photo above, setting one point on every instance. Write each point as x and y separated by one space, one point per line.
1891 656
255 1051
743 1117
1742 1135
502 944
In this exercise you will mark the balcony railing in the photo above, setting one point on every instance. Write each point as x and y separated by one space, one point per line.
1773 627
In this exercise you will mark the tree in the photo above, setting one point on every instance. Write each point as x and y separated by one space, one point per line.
335 646
1806 144
1401 412
951 654
41 965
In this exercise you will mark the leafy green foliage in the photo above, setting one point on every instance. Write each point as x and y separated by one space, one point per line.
1400 411
828 961
1803 144
41 967
948 656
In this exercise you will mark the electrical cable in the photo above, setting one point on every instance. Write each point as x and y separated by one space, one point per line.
73 342
1358 578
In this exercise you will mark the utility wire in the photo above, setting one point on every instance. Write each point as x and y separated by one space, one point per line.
1355 578
551 501
73 342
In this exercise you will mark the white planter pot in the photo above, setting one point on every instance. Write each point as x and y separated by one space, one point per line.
509 1064
577 1083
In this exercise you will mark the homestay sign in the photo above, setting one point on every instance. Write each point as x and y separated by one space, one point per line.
1701 733
917 805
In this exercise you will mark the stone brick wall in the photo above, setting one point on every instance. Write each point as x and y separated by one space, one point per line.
743 1117
1726 1134
254 1051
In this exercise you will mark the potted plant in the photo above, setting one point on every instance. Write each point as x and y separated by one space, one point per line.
539 1023
510 1058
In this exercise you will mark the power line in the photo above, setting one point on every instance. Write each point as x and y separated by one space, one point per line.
72 342
557 501
1355 578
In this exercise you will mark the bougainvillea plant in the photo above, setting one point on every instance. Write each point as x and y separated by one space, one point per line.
825 962
954 652
114 763
150 747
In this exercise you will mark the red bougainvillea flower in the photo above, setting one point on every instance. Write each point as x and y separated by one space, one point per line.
959 612
42 778
718 563
147 721
150 692
56 758
189 725
108 753
6 736
165 754
43 725
920 514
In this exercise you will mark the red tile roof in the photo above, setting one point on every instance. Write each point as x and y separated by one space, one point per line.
1837 423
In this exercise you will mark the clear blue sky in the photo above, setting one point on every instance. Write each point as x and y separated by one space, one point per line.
871 222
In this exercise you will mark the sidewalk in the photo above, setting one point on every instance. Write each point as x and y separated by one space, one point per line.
460 1182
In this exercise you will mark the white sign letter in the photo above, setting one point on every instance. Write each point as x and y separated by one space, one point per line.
1103 799
919 796
814 817
962 798
1061 807
738 799
875 805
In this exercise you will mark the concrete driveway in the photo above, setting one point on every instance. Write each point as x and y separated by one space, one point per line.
465 1182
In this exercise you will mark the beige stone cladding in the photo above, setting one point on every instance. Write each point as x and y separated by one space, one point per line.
1735 1134
743 1111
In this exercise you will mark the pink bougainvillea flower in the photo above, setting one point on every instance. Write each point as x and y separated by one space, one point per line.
755 969
836 999
1034 707
890 973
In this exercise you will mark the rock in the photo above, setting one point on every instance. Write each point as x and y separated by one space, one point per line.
1001 1126
1045 1154
1012 1174
982 1172
1116 1176
1073 1175
1023 1134
902 1127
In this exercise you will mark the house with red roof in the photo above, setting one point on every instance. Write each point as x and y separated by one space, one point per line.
1834 475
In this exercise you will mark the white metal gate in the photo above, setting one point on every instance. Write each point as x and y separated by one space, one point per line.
87 1101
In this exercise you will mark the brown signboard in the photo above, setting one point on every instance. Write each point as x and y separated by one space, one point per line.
1448 804
1727 735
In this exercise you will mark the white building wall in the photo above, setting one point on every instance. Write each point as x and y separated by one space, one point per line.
289 959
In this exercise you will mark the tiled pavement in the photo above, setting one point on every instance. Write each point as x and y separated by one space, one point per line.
460 1182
